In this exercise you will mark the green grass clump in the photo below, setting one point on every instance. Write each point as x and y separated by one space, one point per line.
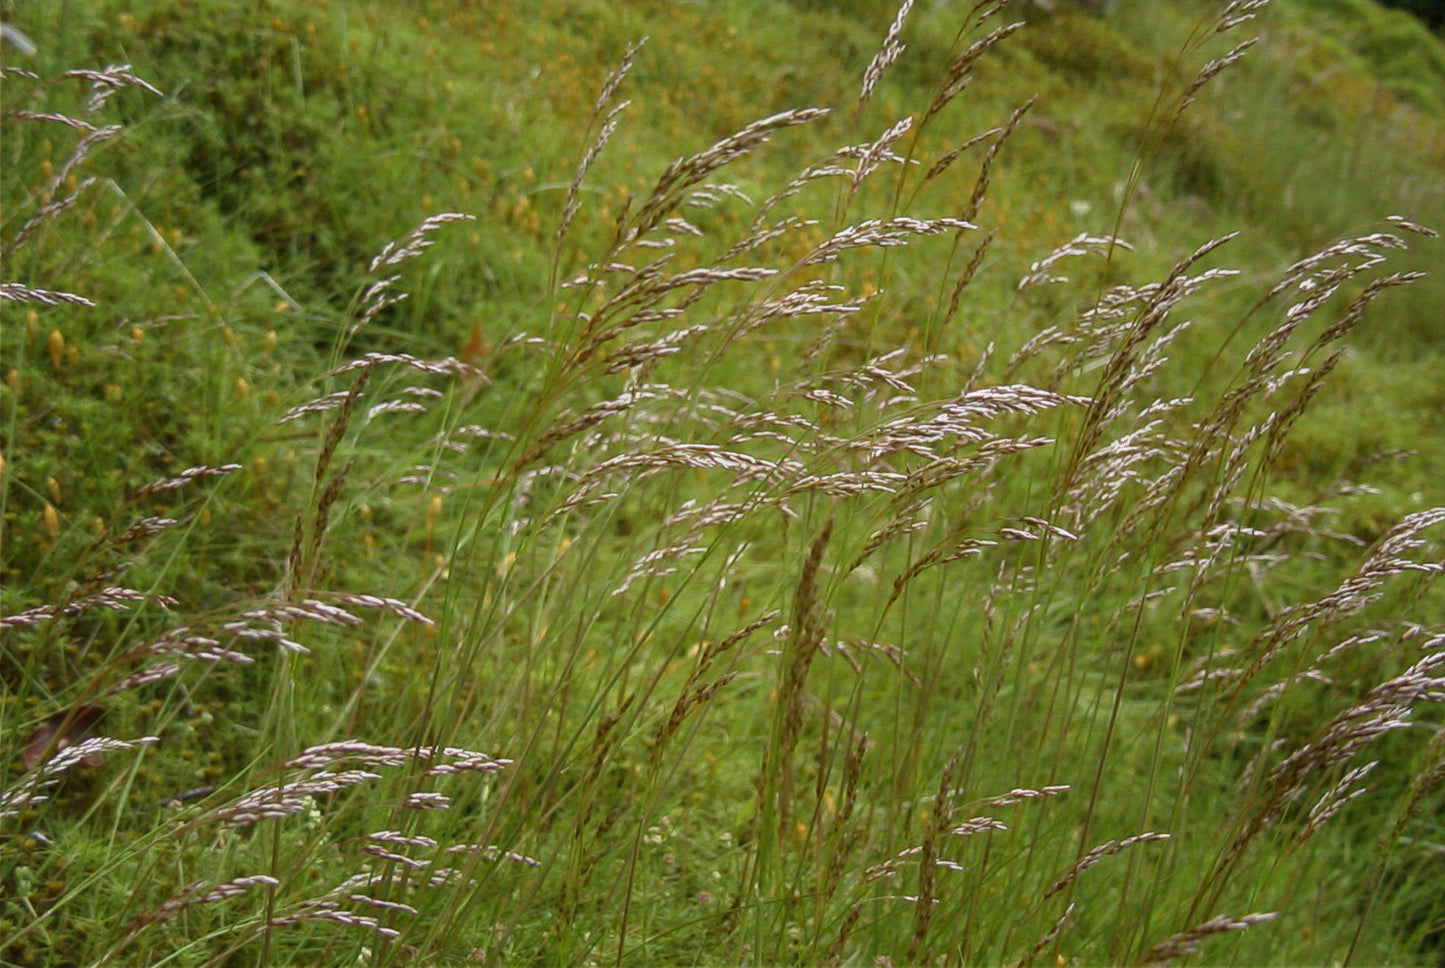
886 528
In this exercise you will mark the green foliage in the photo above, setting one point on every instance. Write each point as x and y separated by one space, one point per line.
1398 49
1432 12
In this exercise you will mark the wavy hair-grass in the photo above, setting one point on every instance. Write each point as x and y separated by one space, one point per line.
828 667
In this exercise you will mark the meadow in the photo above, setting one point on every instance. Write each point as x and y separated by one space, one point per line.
767 483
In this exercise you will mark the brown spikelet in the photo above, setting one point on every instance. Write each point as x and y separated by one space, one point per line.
572 205
19 292
960 72
985 169
933 831
1206 74
1186 943
805 634
683 174
886 54
955 296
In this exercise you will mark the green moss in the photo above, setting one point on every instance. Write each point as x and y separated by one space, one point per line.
1394 47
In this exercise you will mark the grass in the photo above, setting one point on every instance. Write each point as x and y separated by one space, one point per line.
800 554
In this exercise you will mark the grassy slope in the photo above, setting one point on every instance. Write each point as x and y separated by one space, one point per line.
429 113
233 231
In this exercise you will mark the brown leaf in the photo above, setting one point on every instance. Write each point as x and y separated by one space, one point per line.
60 731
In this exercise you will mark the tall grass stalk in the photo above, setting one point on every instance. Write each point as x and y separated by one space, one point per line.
745 628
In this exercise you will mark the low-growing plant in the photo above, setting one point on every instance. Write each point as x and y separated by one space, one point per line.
752 617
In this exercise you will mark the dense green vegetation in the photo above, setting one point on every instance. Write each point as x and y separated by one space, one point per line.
1431 12
1003 537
